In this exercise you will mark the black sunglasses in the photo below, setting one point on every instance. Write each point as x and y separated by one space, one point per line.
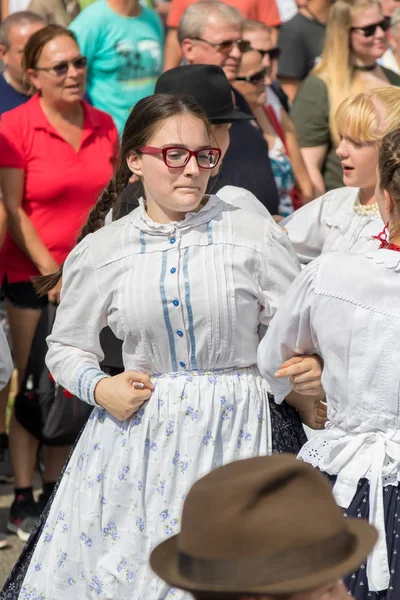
61 68
369 30
273 53
226 46
255 78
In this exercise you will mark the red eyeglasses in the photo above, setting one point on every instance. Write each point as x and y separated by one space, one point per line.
176 157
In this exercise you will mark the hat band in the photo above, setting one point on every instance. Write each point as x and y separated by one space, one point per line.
268 570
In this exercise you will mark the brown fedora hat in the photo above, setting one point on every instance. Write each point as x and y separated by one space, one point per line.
266 525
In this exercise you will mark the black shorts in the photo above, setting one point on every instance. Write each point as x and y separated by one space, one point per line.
23 295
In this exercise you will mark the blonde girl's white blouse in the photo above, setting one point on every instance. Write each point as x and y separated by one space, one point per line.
182 296
6 363
330 224
345 307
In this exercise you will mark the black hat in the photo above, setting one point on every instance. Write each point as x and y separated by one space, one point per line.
208 86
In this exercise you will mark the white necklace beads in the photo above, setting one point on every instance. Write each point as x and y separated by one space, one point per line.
363 210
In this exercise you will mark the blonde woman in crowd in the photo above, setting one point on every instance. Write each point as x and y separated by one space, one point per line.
346 219
346 308
355 40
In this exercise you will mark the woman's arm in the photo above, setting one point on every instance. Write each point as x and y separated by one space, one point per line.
301 174
20 226
314 159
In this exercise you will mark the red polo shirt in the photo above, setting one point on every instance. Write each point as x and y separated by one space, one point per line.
61 184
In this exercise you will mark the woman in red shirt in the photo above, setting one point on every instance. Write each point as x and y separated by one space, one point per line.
56 155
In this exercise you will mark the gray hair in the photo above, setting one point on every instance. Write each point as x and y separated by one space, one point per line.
395 22
196 17
18 19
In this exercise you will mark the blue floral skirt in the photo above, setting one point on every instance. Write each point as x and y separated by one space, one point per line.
123 488
357 582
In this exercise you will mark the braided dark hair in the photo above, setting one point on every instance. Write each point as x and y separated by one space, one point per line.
142 121
389 165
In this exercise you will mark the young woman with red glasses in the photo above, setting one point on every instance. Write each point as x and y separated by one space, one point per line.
184 281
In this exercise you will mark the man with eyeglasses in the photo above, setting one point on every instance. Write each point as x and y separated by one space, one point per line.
210 32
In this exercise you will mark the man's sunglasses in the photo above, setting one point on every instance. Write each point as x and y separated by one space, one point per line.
369 30
61 68
273 53
255 78
226 46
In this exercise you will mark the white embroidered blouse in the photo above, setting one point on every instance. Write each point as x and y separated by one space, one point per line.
345 307
184 295
330 224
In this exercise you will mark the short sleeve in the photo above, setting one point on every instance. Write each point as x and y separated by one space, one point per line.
176 11
290 332
279 267
310 113
6 363
293 61
75 353
12 150
306 230
268 13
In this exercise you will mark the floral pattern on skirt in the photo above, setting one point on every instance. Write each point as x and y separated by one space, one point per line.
123 489
357 582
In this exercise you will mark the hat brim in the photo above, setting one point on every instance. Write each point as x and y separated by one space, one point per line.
230 117
164 562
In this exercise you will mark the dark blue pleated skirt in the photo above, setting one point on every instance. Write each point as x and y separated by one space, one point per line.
357 582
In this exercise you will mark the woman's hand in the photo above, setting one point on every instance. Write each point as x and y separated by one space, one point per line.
305 373
123 394
315 416
54 294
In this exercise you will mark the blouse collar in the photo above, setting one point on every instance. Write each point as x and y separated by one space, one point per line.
211 209
389 258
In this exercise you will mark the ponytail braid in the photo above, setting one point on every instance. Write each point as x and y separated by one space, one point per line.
44 283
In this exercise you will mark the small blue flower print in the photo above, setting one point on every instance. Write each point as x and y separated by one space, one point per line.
170 428
110 530
130 575
60 516
192 413
151 445
96 447
71 581
164 515
121 565
61 559
184 466
161 487
248 437
81 458
138 417
124 472
169 530
90 483
86 539
140 485
207 438
99 477
175 460
140 524
259 416
241 434
38 567
103 501
101 415
95 585
160 403
47 538
65 528
212 378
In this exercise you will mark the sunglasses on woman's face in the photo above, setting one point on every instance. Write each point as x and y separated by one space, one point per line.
273 53
61 69
255 78
369 30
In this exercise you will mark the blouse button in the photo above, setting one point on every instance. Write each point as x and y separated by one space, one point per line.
183 365
173 270
180 333
175 302
172 240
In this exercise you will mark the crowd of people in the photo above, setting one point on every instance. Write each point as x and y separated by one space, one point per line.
238 164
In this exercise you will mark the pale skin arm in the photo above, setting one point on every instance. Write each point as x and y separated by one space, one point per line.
314 159
172 52
123 395
290 87
299 167
21 228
